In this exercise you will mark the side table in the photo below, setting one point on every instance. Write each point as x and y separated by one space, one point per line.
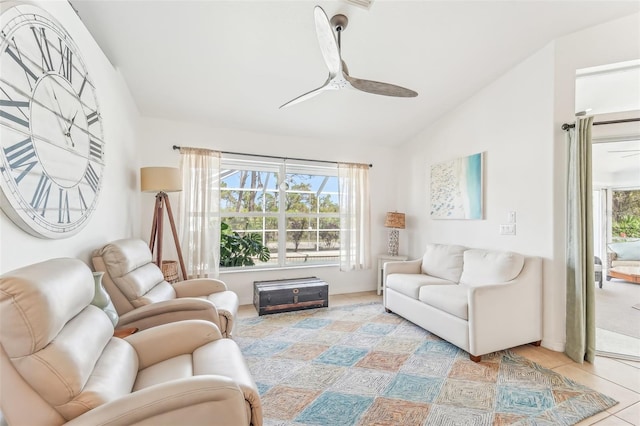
382 259
124 332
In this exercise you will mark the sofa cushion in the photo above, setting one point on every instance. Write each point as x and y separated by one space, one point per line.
409 284
482 267
452 299
443 261
616 263
626 250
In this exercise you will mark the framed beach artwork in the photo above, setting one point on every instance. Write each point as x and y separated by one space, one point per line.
456 188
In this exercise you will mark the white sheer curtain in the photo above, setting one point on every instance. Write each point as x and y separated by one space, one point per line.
200 211
580 326
355 216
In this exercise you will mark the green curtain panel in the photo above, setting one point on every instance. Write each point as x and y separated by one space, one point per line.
580 329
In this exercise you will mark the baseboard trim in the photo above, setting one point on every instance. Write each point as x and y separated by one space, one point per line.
554 346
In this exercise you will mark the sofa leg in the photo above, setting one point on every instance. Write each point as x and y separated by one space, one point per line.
538 343
475 358
387 310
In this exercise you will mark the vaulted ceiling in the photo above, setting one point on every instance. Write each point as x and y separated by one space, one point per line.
233 63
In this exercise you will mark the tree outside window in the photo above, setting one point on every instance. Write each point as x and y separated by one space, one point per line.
292 211
626 215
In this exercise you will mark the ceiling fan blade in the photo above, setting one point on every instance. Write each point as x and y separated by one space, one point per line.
306 96
379 88
327 41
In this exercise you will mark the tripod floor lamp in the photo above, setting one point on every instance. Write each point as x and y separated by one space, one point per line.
162 180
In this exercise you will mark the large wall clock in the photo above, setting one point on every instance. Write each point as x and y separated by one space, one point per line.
51 140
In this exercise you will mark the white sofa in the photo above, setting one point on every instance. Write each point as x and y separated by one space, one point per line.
480 300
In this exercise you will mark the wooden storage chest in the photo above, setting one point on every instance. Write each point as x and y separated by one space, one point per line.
274 296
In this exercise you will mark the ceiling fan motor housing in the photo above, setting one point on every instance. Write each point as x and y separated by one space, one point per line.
339 22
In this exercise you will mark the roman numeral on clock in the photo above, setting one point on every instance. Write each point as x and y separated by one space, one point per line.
41 195
43 45
95 149
21 156
84 83
16 56
83 203
93 118
66 63
21 119
92 178
63 207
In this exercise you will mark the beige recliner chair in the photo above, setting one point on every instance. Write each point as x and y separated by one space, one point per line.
60 363
144 299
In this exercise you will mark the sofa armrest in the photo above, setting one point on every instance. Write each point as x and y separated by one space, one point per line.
199 287
403 267
169 340
509 314
168 311
219 401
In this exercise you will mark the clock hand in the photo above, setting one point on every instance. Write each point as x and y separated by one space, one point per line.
58 117
68 134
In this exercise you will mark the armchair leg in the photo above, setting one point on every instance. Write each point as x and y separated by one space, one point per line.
475 358
538 343
387 310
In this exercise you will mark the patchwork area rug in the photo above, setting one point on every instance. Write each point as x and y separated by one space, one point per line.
357 365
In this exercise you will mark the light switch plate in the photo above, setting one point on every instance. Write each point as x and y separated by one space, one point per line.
509 229
511 217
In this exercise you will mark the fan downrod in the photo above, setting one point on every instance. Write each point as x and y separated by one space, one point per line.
339 22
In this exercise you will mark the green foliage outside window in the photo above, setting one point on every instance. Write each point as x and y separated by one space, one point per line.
626 215
241 250
627 227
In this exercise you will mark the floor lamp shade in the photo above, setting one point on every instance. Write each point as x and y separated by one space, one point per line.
160 179
395 221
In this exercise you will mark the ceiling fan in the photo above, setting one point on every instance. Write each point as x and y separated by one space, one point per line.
339 77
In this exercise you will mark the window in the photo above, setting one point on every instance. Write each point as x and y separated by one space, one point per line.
625 224
292 207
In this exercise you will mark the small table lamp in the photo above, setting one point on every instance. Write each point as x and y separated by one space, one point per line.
162 180
395 221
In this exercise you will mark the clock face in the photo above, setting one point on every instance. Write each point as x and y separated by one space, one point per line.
51 142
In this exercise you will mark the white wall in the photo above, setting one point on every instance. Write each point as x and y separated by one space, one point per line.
158 136
516 121
510 121
117 214
609 88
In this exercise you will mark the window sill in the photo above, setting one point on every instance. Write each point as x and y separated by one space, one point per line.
275 268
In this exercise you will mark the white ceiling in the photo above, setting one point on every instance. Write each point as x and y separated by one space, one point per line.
617 157
232 63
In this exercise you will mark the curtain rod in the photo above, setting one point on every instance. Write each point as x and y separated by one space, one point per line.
176 147
567 126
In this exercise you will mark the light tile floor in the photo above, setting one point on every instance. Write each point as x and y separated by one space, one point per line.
618 379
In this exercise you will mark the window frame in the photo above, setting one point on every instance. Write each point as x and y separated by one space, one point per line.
281 169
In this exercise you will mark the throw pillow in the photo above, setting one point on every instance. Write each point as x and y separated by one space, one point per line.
628 250
443 261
